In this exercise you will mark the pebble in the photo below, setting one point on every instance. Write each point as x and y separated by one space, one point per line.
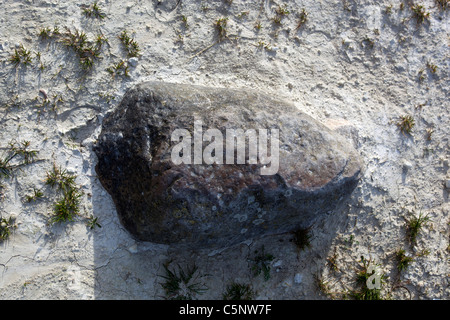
407 165
447 183
133 61
298 278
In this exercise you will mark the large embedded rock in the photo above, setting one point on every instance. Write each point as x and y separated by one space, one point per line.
172 190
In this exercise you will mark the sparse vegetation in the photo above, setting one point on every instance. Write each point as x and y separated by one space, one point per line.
403 261
432 67
37 194
419 13
442 4
302 19
414 226
362 279
282 10
221 28
6 225
21 56
237 291
429 133
16 150
263 45
131 46
261 263
87 51
406 124
302 238
120 68
182 285
45 33
67 207
388 9
92 222
93 11
185 21
243 14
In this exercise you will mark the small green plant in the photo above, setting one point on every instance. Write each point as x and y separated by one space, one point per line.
414 226
277 19
302 238
302 19
258 25
368 42
55 31
16 150
363 277
403 260
421 75
87 51
261 263
184 19
181 285
237 291
131 46
388 9
282 10
429 133
92 222
6 225
442 4
423 253
67 207
93 11
350 241
432 67
37 194
263 45
419 13
45 33
2 191
221 27
243 14
120 68
21 56
406 124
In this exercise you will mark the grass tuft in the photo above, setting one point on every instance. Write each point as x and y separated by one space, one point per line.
68 206
93 11
21 56
181 285
302 239
403 261
237 291
221 27
406 124
363 277
6 225
416 224
261 263
419 13
131 46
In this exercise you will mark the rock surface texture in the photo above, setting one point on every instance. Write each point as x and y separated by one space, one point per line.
218 205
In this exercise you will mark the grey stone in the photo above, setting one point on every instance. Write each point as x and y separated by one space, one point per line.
133 61
218 205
